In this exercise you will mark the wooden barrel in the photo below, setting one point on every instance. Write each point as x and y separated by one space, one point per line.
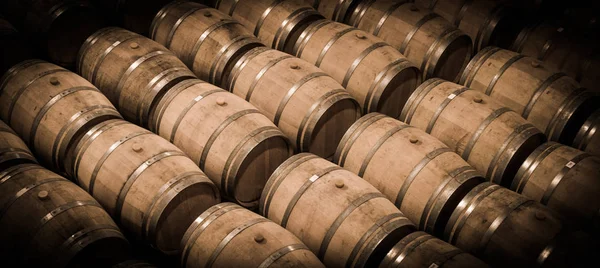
344 220
208 41
311 108
551 101
50 107
375 73
562 49
58 26
425 179
588 137
425 38
14 47
133 15
503 228
131 70
227 235
276 23
47 221
148 185
564 179
236 145
491 137
487 22
421 250
13 150
336 10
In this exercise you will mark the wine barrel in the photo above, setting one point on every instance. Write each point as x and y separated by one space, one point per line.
208 41
134 264
14 48
336 10
47 221
375 73
425 38
491 137
59 26
227 235
133 15
504 228
564 179
276 23
148 185
421 250
13 150
487 22
338 215
588 137
426 180
131 70
551 101
50 107
311 108
236 145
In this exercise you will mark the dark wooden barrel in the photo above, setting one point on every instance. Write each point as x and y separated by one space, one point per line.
491 137
310 107
50 108
47 221
550 100
336 10
131 70
421 250
425 38
207 40
422 176
378 76
227 235
564 179
588 137
133 15
13 150
146 183
344 220
14 47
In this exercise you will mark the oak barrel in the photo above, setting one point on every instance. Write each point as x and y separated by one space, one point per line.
564 179
47 221
50 108
425 38
491 137
551 101
131 70
13 150
344 220
310 107
276 23
227 235
236 145
588 137
148 185
375 73
133 15
421 250
336 10
422 176
208 41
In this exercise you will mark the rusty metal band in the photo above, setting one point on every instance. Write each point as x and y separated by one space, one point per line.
278 177
329 44
306 36
538 93
187 108
411 246
352 134
218 131
414 30
519 43
16 170
103 56
132 68
359 12
233 6
501 71
415 172
178 23
359 60
560 176
487 236
461 12
553 124
545 48
218 4
82 239
288 24
442 107
133 177
211 260
377 146
241 64
280 253
331 95
434 52
89 42
368 234
587 131
16 153
381 81
166 101
107 154
10 201
190 57
342 217
475 65
215 73
156 86
290 93
530 165
485 31
415 99
384 18
262 72
88 139
528 129
337 9
160 16
482 127
302 190
377 238
10 74
465 208
264 16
